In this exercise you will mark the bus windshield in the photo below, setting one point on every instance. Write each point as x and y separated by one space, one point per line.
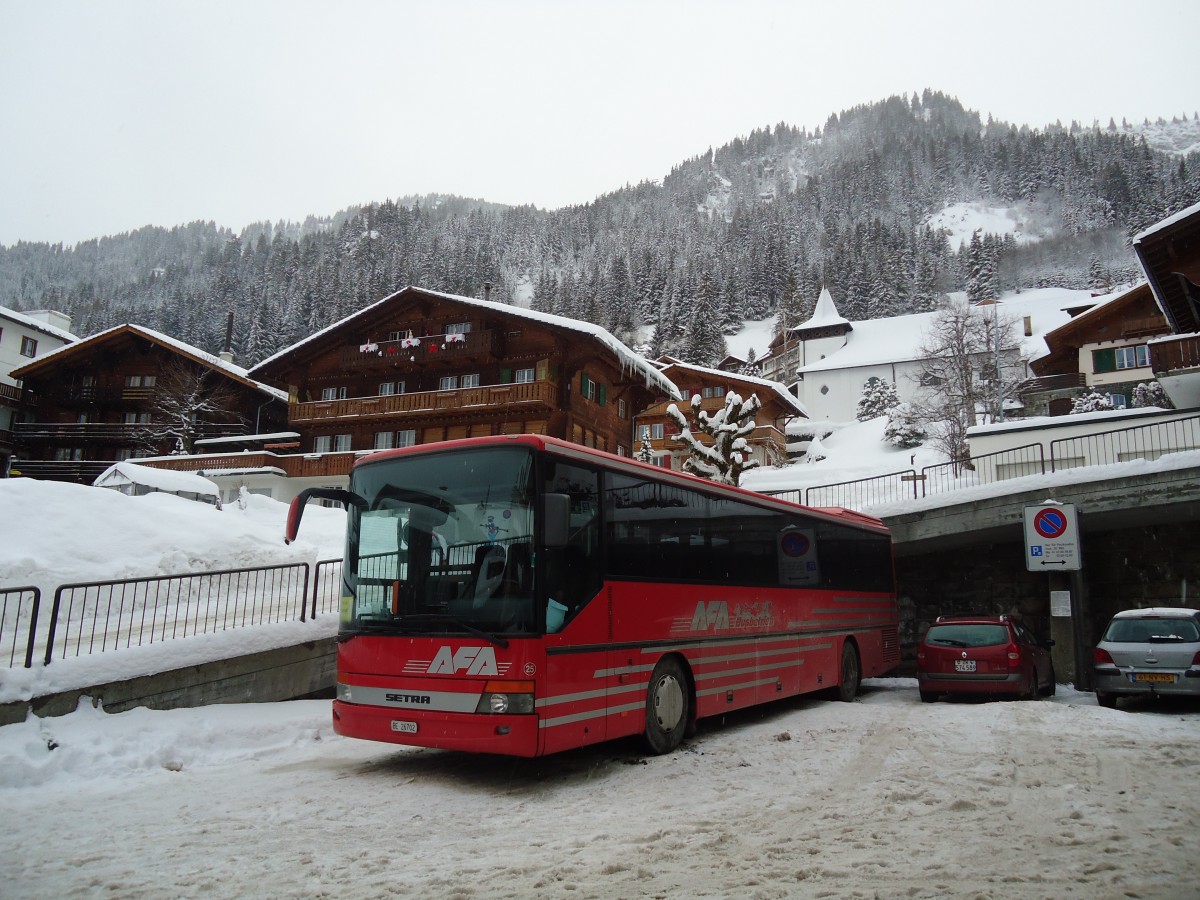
443 543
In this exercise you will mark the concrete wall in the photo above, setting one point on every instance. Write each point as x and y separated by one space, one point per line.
283 674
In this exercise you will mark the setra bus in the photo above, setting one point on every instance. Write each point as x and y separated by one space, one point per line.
524 595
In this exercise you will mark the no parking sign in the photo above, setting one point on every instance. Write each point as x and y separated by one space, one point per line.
1052 538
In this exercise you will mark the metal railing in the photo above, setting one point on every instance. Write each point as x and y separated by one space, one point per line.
18 618
1123 444
327 586
109 615
888 488
984 469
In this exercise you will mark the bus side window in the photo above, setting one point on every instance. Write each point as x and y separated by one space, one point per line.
572 573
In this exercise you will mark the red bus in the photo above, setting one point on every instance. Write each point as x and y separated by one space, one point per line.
524 595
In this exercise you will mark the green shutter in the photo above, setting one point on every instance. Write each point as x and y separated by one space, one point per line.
583 384
603 394
1104 360
506 376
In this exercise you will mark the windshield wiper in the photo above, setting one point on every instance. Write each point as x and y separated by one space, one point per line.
454 620
950 642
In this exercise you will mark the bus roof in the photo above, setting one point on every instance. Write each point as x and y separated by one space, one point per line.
588 454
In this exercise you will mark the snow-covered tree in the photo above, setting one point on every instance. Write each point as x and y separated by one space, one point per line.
187 397
750 366
728 455
1151 394
903 428
1093 401
878 396
645 452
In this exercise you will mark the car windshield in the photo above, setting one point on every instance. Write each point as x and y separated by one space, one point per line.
1145 630
966 635
443 544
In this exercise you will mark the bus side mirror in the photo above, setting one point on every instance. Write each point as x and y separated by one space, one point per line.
296 509
556 520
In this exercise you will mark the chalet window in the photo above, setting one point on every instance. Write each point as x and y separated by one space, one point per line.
1104 360
406 438
523 376
470 381
448 383
137 418
28 346
333 393
1133 357
663 462
124 453
653 432
137 381
341 443
591 390
383 440
388 388
68 453
1117 400
322 443
710 392
621 409
459 328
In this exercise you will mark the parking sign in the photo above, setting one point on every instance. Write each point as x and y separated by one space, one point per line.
1052 538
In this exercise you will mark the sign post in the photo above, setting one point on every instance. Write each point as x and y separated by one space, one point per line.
1052 545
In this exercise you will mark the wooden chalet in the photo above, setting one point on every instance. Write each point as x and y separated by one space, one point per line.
1103 348
421 366
103 399
1170 256
768 443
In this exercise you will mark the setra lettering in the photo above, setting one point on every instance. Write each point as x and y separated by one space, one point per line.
408 698
471 660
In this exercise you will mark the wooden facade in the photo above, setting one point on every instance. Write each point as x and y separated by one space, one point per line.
98 401
421 366
768 443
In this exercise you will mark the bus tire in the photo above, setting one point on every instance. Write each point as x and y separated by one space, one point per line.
667 702
847 688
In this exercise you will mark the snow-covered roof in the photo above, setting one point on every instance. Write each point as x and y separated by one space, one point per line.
780 392
875 342
630 361
37 325
166 480
825 314
158 337
1168 222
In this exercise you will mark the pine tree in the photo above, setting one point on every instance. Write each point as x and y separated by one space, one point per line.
878 397
903 428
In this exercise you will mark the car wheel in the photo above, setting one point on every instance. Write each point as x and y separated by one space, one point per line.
667 700
1108 701
851 673
1052 688
928 696
1033 693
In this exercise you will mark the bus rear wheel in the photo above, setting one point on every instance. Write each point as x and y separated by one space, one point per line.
847 688
667 701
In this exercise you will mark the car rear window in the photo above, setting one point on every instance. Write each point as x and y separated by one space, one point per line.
1145 630
966 635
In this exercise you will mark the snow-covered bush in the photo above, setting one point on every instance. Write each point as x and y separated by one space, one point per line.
1151 394
1093 401
729 455
903 429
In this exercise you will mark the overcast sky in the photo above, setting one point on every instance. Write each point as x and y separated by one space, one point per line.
116 114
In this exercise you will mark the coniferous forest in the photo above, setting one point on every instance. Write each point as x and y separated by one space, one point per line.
752 228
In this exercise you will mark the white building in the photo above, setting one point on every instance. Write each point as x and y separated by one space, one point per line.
23 337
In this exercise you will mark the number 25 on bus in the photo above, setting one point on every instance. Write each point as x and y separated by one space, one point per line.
524 595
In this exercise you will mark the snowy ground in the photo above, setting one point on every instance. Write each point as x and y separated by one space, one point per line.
883 797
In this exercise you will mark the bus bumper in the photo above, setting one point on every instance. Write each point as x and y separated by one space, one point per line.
515 735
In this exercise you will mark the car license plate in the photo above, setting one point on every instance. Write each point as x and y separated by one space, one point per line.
964 665
1156 677
404 727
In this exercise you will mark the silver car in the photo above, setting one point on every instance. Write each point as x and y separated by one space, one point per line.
1148 651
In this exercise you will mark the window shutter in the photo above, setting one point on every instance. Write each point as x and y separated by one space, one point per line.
1104 360
506 376
603 394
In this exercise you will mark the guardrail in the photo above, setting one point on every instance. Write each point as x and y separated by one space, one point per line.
1123 444
19 618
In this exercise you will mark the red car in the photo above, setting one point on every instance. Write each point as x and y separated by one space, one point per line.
983 655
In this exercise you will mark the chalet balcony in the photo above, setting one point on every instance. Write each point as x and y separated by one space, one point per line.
10 393
1176 365
1047 383
83 433
293 465
411 352
428 403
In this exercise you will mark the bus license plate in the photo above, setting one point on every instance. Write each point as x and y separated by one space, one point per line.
1157 677
404 727
964 665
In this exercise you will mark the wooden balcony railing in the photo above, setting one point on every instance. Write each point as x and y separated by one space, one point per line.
10 393
411 352
1054 383
294 465
427 403
78 433
1172 356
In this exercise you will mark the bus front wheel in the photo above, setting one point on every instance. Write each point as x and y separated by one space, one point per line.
667 700
851 673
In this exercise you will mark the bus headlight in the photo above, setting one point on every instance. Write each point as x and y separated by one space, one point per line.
506 698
